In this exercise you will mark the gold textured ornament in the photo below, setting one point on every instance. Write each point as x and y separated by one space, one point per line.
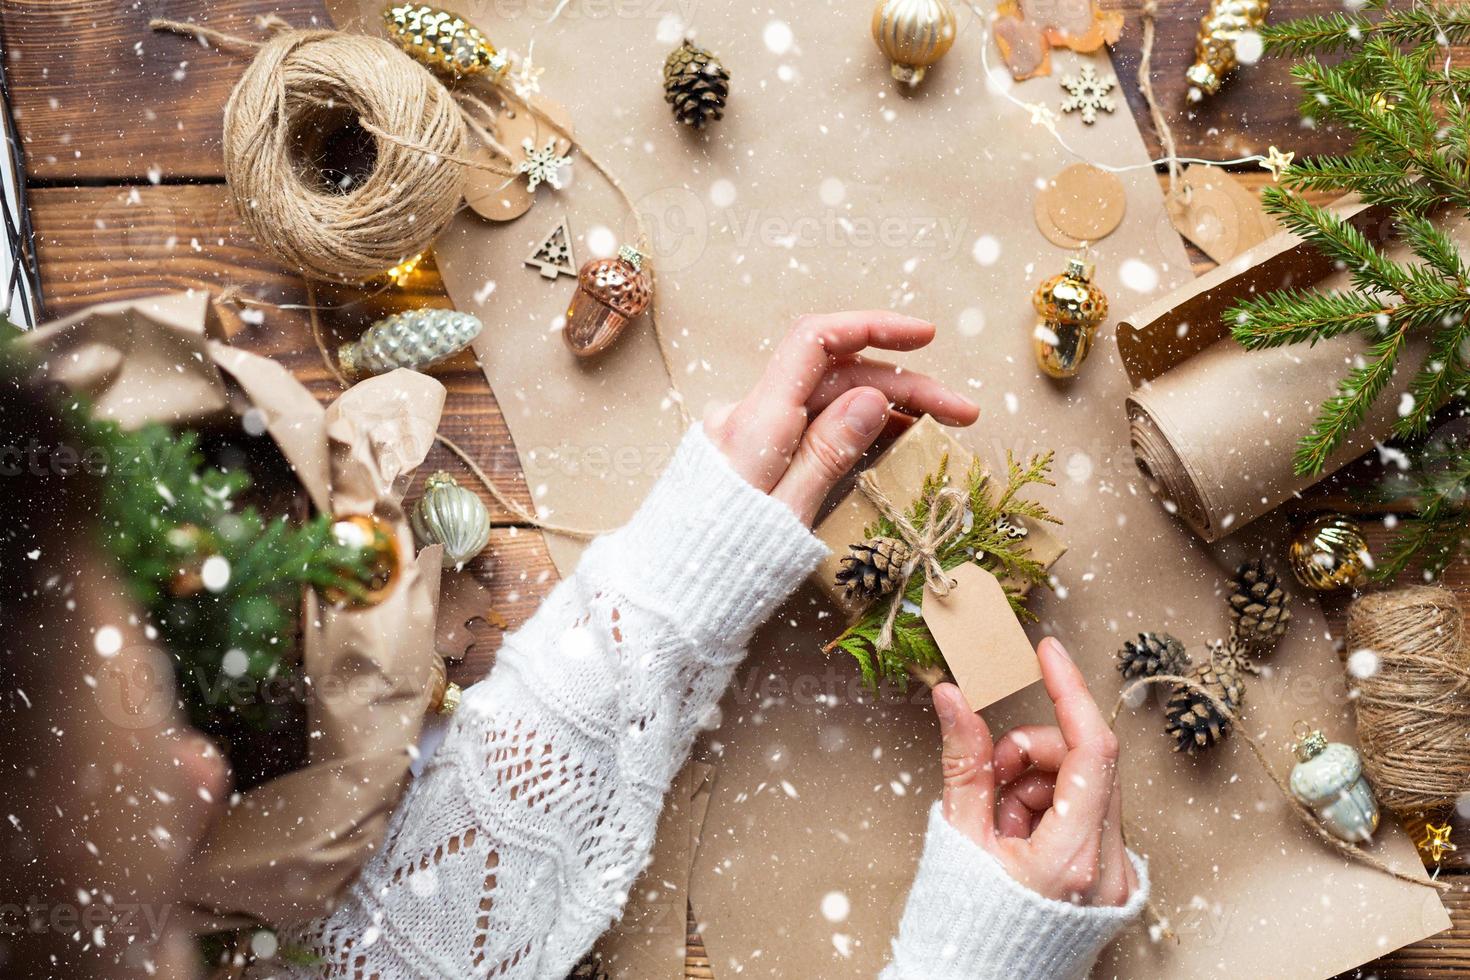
442 40
610 292
444 694
1070 307
1330 552
1214 47
914 34
378 544
413 339
450 515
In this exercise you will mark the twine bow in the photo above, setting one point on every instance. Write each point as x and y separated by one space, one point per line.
942 523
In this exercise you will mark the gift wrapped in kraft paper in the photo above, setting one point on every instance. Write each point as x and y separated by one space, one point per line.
983 644
285 849
1215 426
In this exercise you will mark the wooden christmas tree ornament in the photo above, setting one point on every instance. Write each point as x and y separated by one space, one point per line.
554 255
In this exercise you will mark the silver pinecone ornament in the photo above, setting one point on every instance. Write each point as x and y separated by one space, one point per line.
413 339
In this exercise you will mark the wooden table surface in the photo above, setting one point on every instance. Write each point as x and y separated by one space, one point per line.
121 136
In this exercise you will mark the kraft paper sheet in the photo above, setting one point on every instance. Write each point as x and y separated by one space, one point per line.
1215 426
826 188
286 849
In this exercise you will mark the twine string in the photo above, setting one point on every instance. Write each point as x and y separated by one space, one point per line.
946 515
1155 112
1297 806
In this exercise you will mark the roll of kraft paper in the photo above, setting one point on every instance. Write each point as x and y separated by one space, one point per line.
1215 426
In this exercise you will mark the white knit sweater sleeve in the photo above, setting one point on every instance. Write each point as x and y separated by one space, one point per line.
968 919
516 847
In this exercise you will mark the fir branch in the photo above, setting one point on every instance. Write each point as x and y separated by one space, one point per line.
1347 409
1440 531
1339 32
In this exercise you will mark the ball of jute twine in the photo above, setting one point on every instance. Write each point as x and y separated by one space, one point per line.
1414 708
299 78
397 209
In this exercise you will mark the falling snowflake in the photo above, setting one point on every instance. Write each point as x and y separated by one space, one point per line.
1088 93
525 77
544 165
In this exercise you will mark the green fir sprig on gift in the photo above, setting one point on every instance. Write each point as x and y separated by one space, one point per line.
984 538
1410 116
218 579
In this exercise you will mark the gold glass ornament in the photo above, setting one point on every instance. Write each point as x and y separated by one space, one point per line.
1214 47
414 339
448 514
914 34
441 40
375 540
1070 307
610 292
1330 552
444 694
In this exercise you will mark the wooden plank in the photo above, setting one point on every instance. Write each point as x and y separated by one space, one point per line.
1253 110
1437 958
99 244
100 97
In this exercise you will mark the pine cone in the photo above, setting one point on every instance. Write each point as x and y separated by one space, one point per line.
874 568
1192 720
1152 654
1258 606
696 85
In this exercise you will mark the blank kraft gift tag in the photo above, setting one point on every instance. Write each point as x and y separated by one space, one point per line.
981 639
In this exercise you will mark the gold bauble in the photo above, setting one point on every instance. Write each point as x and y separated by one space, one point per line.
1330 552
376 540
914 34
1214 47
444 694
1070 307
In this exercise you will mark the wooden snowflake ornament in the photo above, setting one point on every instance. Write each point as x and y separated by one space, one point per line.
1087 93
543 166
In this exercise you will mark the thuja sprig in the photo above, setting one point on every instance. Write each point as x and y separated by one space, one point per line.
983 539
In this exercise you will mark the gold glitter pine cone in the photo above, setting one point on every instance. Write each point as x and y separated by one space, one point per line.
441 40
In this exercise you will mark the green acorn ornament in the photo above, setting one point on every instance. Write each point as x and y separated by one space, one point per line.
1329 780
449 515
413 339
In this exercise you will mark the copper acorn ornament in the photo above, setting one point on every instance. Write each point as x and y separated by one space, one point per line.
1214 47
452 516
610 292
441 40
413 339
914 34
1070 307
1330 552
1328 779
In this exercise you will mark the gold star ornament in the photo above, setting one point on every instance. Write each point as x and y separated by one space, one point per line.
1277 162
1436 841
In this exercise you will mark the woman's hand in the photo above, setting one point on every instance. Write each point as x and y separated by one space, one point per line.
820 405
1044 801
